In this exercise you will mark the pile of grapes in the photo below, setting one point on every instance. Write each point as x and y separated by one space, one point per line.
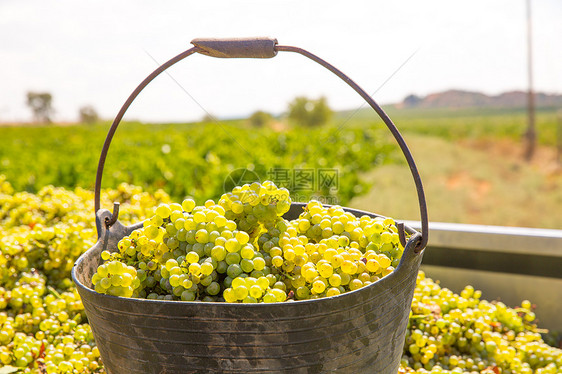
460 333
242 250
43 328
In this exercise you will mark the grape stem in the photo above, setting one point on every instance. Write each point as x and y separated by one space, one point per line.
420 316
54 292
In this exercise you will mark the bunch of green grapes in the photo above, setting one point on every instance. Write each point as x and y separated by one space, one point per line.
5 186
115 278
252 206
34 323
49 230
460 333
327 251
241 250
43 327
188 252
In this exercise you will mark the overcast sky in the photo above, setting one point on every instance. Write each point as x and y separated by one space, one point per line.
96 52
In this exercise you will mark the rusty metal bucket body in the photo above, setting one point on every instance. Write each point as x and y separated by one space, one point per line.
361 331
357 332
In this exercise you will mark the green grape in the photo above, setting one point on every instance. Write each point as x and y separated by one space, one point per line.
206 268
163 211
232 258
258 263
234 270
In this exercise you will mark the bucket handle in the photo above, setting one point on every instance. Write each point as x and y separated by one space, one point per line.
268 48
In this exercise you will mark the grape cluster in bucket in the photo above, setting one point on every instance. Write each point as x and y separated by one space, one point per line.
241 250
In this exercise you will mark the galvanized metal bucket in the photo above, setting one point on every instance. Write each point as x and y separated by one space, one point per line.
357 332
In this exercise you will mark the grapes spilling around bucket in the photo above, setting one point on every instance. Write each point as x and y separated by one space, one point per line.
43 326
241 250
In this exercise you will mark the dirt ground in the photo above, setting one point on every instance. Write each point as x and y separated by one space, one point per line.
478 182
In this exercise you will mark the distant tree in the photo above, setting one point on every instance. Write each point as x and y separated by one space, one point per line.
88 115
411 101
260 119
306 112
40 104
208 118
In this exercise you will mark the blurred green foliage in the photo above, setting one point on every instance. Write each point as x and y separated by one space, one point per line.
190 159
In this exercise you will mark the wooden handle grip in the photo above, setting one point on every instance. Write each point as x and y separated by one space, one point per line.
237 48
